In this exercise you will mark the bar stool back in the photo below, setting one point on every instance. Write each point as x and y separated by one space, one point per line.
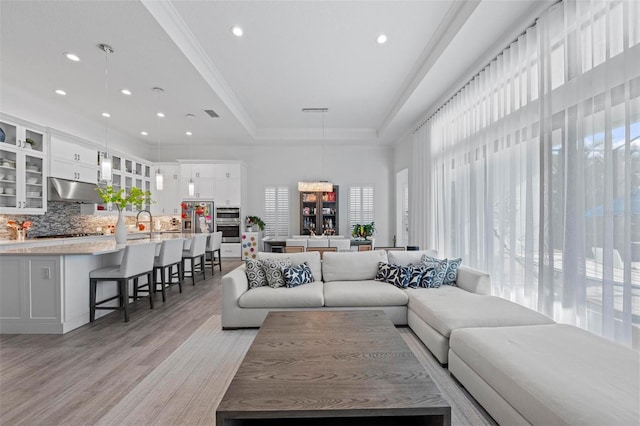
195 251
137 260
214 244
170 256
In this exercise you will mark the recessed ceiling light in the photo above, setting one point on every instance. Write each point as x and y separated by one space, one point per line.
106 114
72 56
381 39
126 92
161 115
61 92
143 133
237 31
188 133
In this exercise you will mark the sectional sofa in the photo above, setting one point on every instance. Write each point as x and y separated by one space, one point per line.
519 364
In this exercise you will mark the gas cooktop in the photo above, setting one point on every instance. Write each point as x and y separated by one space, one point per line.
77 234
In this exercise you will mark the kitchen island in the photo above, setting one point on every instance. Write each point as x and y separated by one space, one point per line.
44 287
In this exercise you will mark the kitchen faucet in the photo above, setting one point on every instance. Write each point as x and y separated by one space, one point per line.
150 221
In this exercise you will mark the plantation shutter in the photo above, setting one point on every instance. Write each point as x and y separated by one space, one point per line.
360 205
276 211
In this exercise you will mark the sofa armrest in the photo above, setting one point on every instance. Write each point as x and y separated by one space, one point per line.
473 281
234 285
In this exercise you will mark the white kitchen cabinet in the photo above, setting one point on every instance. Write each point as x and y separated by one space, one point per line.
30 292
126 174
23 170
167 201
227 171
197 171
49 294
227 192
203 189
73 160
229 250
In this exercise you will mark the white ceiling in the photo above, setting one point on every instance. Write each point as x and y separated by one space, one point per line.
293 54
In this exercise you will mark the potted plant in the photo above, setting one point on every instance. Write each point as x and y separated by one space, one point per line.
252 221
30 143
364 231
136 197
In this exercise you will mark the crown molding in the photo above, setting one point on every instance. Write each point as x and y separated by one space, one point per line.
170 20
454 20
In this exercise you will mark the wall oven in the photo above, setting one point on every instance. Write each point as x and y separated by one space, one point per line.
228 222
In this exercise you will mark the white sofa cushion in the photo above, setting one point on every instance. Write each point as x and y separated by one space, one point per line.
312 258
555 374
351 266
303 296
448 308
363 293
409 257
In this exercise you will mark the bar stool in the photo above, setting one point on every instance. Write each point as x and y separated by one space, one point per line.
170 255
214 244
137 260
195 251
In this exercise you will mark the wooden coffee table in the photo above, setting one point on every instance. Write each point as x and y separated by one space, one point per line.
331 367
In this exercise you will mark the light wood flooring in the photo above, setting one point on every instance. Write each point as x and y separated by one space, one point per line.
170 365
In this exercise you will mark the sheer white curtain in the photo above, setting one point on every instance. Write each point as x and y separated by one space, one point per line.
532 171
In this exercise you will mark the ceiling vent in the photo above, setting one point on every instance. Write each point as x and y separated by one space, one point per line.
211 113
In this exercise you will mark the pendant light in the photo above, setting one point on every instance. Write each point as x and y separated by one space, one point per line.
159 175
319 185
106 168
192 185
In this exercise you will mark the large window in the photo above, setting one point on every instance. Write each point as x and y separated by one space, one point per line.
360 205
276 211
533 169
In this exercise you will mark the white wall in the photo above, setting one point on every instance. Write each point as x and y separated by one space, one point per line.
286 164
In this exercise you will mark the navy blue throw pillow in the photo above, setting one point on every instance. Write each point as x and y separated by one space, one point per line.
393 274
297 275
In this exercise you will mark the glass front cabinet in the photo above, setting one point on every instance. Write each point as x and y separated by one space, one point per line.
22 169
319 212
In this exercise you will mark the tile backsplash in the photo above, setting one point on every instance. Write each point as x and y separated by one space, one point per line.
66 218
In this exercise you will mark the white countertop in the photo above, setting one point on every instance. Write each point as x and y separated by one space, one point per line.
83 245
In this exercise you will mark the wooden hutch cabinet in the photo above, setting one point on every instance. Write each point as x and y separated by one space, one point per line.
319 212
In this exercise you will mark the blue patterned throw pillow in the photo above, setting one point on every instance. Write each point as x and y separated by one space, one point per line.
440 269
452 271
393 274
273 270
255 274
415 276
297 275
426 280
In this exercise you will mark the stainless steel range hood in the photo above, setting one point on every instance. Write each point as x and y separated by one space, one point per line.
72 191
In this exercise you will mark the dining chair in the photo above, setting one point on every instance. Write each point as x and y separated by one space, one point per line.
137 260
214 245
342 244
317 242
292 242
170 255
196 251
322 250
364 247
293 249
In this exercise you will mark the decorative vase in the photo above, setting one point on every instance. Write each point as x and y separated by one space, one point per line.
121 229
2 135
249 228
